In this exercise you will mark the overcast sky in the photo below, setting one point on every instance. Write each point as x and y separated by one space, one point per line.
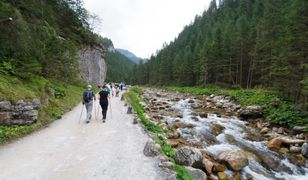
142 26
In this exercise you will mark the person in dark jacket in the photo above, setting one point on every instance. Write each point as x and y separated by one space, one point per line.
104 95
87 100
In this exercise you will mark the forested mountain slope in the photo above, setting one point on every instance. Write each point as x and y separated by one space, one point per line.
238 43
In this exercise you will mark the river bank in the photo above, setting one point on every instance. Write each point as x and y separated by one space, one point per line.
224 139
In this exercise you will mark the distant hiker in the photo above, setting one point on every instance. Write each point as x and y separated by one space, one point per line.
108 88
104 95
87 100
121 86
117 91
113 90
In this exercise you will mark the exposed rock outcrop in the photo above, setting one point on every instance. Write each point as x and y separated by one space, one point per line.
20 113
235 159
151 149
196 174
189 156
92 65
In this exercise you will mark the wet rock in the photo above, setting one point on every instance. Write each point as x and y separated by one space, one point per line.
236 176
191 101
219 167
280 130
212 177
275 143
179 115
217 128
284 150
179 125
259 125
173 135
196 174
300 128
222 176
295 149
173 142
305 150
218 114
188 156
234 159
264 130
249 176
151 149
300 136
288 140
195 118
208 165
251 112
203 115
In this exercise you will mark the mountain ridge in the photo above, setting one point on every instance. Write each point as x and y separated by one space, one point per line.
131 56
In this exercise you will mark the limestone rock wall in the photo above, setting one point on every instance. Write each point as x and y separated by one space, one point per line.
92 65
20 113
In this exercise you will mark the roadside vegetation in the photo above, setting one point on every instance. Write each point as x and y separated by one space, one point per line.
132 97
56 98
276 109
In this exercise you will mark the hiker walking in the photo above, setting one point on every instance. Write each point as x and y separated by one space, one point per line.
87 100
104 95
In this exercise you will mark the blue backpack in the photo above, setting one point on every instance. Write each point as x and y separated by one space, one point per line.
87 96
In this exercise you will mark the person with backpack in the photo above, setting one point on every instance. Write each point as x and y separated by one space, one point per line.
87 100
104 95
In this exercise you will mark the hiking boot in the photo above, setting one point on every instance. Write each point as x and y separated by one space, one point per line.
87 121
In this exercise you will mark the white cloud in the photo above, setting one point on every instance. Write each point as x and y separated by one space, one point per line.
142 26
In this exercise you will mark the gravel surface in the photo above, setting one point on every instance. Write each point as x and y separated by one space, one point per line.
69 150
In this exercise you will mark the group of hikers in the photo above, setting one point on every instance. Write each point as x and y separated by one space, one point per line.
104 95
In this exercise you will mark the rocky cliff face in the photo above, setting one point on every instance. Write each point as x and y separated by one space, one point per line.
20 113
92 65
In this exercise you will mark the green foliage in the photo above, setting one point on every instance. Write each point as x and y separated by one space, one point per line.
7 68
12 132
14 89
240 43
119 67
132 98
182 173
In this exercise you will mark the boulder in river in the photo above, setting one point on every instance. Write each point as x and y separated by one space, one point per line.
295 149
251 112
275 143
234 159
151 149
305 150
208 165
189 156
222 176
196 174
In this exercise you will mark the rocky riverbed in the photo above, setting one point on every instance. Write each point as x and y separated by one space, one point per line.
216 135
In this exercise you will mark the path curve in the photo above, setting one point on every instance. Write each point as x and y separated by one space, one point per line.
68 150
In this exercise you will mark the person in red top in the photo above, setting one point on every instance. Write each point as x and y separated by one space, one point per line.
103 101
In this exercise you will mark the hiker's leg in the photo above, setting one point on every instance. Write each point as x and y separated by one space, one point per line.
89 107
105 111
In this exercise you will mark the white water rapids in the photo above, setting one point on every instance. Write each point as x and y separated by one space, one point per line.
233 137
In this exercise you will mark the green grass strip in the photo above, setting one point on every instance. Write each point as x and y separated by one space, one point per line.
132 97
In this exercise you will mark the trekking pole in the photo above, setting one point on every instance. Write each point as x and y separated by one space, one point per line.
110 110
80 114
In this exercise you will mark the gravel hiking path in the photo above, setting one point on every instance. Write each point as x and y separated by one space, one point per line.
69 150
